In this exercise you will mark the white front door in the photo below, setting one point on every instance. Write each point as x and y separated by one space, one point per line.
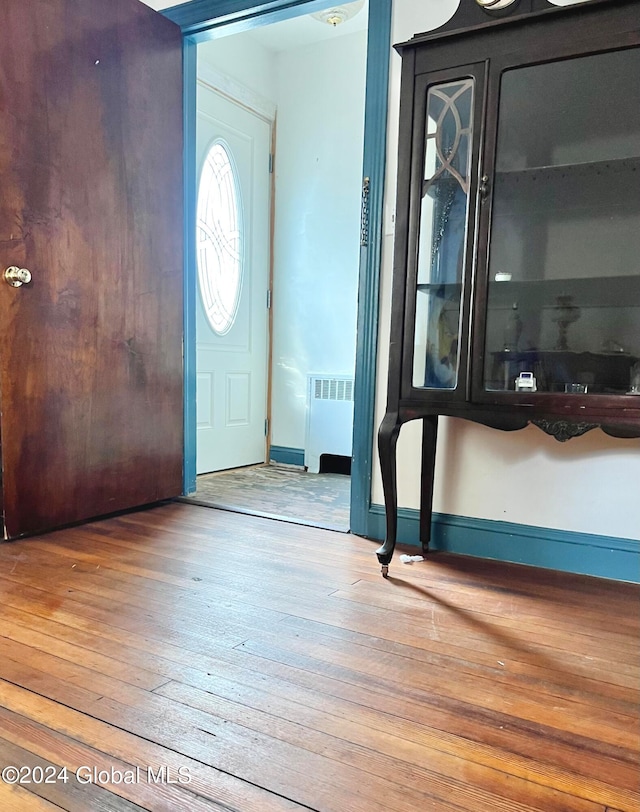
232 242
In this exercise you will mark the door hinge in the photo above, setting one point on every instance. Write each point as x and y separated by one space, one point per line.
269 299
271 163
266 427
364 212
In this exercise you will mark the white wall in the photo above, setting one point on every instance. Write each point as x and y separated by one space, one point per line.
318 168
589 484
244 60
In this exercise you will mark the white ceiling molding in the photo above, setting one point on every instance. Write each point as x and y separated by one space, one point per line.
236 92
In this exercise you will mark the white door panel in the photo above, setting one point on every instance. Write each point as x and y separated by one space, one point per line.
232 368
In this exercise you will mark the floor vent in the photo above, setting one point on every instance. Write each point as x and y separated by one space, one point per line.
329 418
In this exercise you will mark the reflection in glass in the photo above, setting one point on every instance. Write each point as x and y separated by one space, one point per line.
565 230
441 250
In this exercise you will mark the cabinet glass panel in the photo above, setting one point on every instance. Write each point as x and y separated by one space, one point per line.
563 308
443 234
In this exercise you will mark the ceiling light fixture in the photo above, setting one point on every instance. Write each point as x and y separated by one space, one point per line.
338 14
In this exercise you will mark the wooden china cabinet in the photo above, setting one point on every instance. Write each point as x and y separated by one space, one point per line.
516 290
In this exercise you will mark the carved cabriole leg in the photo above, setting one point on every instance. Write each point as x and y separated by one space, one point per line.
429 437
387 440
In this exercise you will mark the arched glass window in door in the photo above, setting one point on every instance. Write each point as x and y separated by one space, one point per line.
219 238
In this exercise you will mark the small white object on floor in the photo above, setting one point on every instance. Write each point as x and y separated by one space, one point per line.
409 559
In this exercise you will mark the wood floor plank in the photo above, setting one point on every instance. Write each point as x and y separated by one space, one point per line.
274 663
505 602
507 720
343 756
33 639
61 787
409 602
15 798
501 656
549 684
283 767
520 656
475 740
371 749
432 652
550 709
495 671
434 627
105 587
326 691
76 740
547 619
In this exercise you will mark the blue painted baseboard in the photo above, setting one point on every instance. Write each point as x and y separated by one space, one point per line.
584 553
287 456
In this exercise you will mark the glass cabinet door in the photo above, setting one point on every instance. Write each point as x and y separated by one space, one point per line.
563 302
442 234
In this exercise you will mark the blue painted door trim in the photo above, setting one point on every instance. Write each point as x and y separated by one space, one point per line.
199 21
374 159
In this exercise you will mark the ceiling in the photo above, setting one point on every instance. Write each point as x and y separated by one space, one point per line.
292 33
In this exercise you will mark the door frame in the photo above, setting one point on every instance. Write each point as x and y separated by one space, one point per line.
200 21
233 94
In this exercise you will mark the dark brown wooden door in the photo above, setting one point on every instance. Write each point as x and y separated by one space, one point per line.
91 204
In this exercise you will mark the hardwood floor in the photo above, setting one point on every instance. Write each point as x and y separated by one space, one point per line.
267 667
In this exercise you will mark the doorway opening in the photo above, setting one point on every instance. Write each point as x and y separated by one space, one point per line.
305 81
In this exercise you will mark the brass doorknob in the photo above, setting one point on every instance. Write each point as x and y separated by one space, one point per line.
16 277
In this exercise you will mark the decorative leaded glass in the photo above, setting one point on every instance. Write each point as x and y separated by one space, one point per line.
443 217
219 238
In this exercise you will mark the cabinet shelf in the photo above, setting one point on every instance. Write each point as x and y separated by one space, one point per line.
447 287
569 171
599 292
607 373
595 186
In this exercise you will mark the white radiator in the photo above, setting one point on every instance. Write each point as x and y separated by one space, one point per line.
329 418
